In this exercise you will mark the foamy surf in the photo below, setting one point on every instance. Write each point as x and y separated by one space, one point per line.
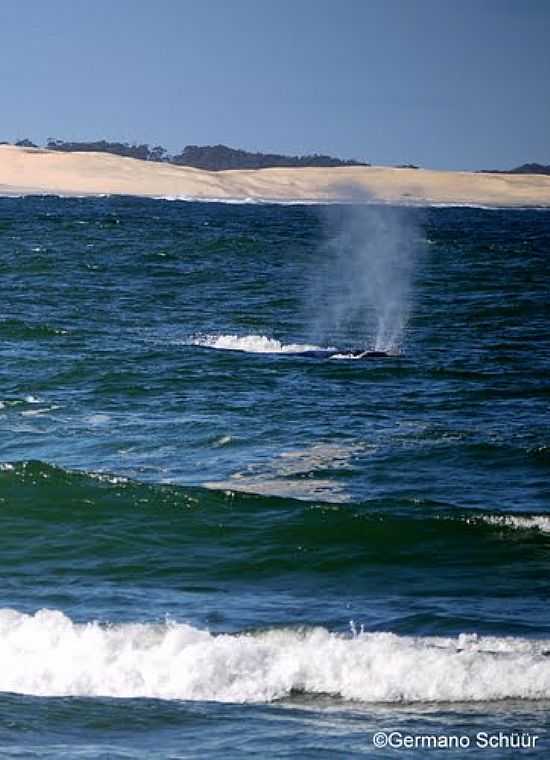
254 344
539 523
47 654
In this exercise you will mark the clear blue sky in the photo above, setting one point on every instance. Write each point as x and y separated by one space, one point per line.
443 83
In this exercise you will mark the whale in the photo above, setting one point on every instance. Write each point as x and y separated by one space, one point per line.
315 353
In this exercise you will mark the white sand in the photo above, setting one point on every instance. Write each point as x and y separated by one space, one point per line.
37 171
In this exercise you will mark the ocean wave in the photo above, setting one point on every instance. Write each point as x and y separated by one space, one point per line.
519 522
122 529
393 520
16 329
255 344
47 654
248 201
8 195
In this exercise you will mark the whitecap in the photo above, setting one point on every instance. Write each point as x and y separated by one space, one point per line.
519 522
47 654
98 419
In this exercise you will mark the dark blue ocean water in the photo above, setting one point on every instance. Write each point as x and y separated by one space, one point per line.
213 545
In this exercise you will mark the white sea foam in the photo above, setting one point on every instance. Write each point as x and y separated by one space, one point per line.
46 654
223 440
98 419
260 201
391 351
41 411
255 344
296 474
347 356
520 522
336 201
250 201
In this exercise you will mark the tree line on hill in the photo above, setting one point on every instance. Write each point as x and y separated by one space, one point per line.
523 169
220 157
210 157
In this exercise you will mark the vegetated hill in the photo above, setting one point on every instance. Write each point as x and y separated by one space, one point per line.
143 151
211 157
219 157
523 169
26 143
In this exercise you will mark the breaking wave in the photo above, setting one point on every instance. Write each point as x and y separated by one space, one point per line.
519 522
47 654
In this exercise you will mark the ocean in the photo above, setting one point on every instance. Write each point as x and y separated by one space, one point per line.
216 541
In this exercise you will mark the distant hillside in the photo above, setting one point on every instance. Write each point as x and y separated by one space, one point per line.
219 157
143 151
523 169
210 157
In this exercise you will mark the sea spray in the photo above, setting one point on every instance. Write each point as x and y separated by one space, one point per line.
362 288
48 654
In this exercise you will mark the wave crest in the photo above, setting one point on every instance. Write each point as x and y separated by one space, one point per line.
47 654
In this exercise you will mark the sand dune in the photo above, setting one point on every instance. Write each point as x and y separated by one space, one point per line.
37 171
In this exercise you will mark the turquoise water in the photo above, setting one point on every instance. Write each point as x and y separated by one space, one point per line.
214 544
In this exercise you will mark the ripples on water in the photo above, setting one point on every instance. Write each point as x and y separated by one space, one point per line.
224 507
